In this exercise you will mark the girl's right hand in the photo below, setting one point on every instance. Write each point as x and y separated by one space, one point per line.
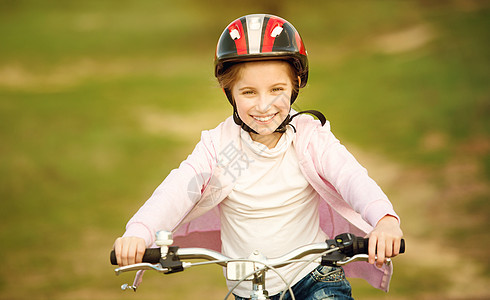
129 250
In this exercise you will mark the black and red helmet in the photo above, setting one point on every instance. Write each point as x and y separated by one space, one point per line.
261 36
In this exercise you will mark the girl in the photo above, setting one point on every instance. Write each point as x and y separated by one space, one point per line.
267 178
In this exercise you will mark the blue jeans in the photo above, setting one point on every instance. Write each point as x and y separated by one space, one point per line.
322 283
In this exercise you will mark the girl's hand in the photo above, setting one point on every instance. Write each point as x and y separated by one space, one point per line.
384 240
129 250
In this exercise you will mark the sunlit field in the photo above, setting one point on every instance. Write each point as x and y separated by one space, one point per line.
99 100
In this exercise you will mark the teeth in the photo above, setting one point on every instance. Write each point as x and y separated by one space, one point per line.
264 119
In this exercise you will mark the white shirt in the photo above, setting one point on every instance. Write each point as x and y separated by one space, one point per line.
272 209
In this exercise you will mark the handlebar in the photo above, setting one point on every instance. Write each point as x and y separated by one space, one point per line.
343 249
348 246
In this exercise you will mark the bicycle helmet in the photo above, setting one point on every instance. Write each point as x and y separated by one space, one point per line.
261 37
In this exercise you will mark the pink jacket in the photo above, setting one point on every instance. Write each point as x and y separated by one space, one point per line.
187 202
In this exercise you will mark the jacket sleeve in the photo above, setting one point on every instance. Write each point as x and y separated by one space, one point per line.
176 195
337 166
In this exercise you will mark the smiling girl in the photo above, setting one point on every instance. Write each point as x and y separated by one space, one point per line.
261 94
268 178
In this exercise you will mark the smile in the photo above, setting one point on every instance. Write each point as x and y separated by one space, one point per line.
265 118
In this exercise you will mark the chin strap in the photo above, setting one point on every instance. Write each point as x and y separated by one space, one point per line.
282 128
316 113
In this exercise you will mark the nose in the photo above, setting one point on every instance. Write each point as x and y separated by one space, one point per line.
264 103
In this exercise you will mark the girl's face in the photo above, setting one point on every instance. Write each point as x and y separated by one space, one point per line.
262 95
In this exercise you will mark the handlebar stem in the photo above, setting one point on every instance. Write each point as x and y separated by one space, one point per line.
258 286
258 282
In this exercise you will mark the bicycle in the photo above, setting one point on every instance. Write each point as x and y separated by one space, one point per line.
343 249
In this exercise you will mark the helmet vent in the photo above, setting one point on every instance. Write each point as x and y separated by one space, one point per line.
235 35
277 31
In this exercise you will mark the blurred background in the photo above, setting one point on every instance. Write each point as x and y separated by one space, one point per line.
99 100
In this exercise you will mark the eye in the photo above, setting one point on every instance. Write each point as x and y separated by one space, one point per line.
277 89
248 92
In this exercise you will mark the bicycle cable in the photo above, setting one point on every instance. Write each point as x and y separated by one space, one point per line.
315 257
271 267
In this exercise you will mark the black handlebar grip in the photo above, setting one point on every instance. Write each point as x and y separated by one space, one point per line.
152 256
362 246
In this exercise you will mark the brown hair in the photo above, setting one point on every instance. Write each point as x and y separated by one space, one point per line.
229 77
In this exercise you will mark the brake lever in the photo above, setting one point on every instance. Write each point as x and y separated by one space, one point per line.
359 257
147 266
141 266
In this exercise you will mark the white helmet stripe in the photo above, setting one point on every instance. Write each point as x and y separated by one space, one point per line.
254 29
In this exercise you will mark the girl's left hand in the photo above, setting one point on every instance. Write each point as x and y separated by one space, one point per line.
384 240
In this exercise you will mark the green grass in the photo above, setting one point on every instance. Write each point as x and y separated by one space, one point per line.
81 83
